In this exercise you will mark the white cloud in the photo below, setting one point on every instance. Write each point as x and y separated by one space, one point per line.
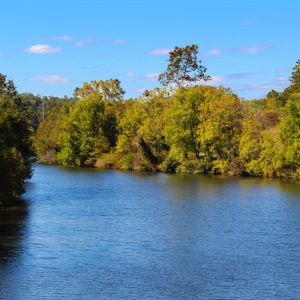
55 79
119 42
65 38
42 49
82 43
263 86
152 76
252 49
163 51
267 86
213 52
214 80
68 38
130 74
283 79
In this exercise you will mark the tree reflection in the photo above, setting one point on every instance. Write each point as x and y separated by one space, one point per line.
12 226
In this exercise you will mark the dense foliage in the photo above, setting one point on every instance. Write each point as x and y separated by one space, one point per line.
16 150
194 129
20 116
37 108
184 128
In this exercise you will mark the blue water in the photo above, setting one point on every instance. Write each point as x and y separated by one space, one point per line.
89 234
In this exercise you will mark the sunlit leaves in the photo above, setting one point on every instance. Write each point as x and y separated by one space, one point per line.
106 89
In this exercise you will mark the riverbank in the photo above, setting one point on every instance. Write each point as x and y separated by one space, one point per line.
111 161
197 130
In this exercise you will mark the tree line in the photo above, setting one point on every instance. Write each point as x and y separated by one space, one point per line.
20 116
184 127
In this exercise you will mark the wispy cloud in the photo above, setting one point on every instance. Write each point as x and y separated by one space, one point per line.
283 79
268 86
130 74
70 39
240 75
152 76
213 52
65 38
277 83
119 42
42 49
54 79
81 43
163 51
215 80
265 87
253 49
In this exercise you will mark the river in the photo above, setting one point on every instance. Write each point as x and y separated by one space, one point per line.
90 234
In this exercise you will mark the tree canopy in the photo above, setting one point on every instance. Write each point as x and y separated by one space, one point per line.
107 89
184 67
195 129
16 151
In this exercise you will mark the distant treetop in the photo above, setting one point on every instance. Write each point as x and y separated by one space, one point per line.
184 67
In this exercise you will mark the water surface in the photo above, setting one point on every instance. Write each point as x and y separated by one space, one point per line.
89 234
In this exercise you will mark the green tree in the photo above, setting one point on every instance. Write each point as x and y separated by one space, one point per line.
290 135
129 123
294 86
184 67
46 138
152 128
108 89
273 100
183 120
82 138
7 88
295 77
16 151
269 144
36 108
219 130
141 130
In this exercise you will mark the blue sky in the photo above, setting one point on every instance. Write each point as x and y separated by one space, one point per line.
51 47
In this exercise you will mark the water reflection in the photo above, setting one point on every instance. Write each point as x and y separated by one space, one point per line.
195 187
12 226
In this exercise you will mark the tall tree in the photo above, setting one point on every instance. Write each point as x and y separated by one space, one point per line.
184 67
295 84
295 77
16 149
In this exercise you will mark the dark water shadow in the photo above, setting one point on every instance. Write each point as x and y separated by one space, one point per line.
13 223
